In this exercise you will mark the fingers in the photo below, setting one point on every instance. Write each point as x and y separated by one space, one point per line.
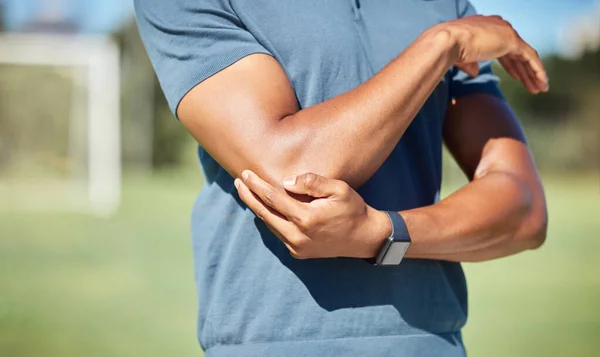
510 67
537 72
262 211
535 63
525 64
273 198
315 185
283 229
526 78
520 68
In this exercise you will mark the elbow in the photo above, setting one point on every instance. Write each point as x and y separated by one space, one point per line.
538 237
277 157
532 217
296 150
275 168
296 157
536 228
279 163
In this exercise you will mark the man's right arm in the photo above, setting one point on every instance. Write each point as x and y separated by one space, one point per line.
246 116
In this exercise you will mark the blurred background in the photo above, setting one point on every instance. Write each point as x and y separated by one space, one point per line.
97 181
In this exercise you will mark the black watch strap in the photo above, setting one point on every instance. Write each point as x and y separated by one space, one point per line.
394 248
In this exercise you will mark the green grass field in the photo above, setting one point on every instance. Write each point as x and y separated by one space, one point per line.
73 285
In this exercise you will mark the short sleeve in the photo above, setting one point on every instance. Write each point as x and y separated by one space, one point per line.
486 82
188 41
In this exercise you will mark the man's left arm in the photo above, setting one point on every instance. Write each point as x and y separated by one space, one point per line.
502 211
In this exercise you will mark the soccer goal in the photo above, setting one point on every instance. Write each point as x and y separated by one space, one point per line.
83 153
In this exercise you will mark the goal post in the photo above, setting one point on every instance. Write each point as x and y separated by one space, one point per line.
97 60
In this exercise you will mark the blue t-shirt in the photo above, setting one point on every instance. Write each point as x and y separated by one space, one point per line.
255 299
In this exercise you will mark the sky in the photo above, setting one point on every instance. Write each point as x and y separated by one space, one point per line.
538 21
93 16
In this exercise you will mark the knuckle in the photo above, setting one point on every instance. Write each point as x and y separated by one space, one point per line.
293 244
516 41
302 223
300 248
270 198
292 250
310 181
260 212
306 221
497 18
297 256
296 219
343 188
299 244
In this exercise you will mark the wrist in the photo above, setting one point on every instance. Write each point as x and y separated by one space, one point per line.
378 229
444 37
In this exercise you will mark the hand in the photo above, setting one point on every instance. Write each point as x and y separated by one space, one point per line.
481 38
336 223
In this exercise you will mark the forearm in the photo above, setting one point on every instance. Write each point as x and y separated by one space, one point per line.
349 136
501 212
494 216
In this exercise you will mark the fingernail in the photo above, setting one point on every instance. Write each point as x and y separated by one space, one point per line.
245 175
236 183
289 181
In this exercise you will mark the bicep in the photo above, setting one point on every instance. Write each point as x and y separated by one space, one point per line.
222 83
482 134
234 114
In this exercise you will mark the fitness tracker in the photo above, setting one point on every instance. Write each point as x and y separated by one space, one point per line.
393 249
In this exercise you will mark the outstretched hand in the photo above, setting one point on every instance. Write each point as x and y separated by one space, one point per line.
482 38
336 223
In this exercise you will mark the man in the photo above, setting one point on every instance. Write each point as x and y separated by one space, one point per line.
349 95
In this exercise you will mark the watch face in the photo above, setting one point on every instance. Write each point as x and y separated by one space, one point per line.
395 253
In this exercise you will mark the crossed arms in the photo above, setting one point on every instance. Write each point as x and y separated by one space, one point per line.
344 140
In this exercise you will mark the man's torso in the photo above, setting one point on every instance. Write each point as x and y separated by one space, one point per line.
252 293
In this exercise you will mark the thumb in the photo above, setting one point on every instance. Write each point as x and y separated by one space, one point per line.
472 69
313 185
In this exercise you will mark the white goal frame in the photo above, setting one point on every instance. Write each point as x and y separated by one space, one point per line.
99 56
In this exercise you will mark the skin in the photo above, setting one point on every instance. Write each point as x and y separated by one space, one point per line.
247 116
501 212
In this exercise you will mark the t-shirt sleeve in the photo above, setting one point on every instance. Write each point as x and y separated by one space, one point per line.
486 82
190 40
